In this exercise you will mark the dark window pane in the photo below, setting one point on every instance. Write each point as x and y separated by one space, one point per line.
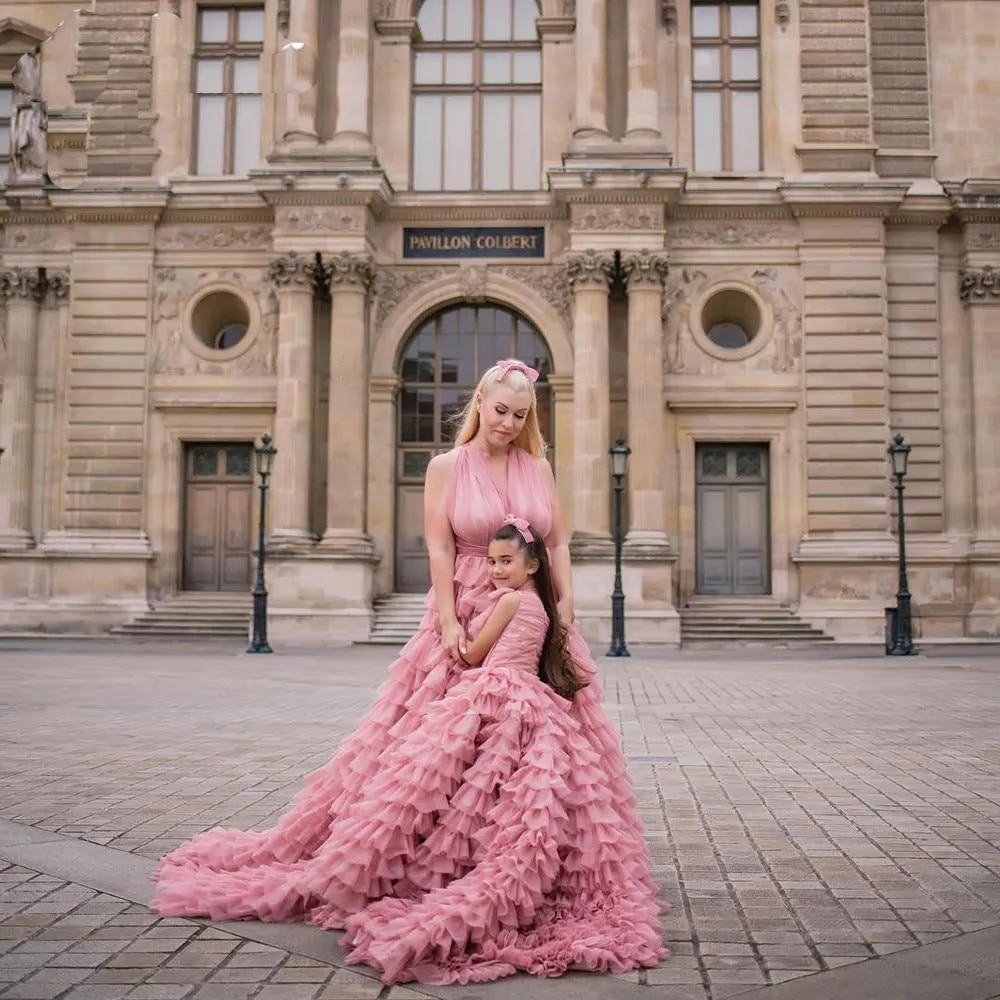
415 463
713 463
238 461
728 335
205 461
748 465
452 404
408 416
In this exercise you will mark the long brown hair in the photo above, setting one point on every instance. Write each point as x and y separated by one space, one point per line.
555 666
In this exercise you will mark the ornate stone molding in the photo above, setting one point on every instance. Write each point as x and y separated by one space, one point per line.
782 13
473 278
351 270
601 218
729 235
56 290
645 269
590 269
668 14
284 17
550 282
394 284
293 270
213 237
22 283
979 284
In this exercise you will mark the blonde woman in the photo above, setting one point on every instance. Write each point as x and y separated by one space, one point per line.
466 830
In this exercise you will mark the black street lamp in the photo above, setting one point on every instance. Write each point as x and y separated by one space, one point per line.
900 643
620 452
265 452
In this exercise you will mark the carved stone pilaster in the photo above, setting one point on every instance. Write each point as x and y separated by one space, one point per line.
979 284
284 17
22 283
292 269
782 13
590 268
56 290
645 268
346 269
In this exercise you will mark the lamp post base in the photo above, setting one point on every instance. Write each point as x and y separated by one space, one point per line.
259 642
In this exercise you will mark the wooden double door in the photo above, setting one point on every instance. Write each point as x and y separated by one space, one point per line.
218 517
733 519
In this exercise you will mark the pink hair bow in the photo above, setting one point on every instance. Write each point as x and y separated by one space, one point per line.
513 365
522 526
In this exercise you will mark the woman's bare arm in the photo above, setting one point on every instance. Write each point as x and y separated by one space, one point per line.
438 535
499 619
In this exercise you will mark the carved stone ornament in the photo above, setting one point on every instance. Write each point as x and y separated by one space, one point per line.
171 353
668 13
22 283
549 282
601 218
677 315
395 284
644 268
284 17
730 235
590 269
214 237
787 337
472 278
321 219
978 284
57 285
986 238
356 270
291 269
782 13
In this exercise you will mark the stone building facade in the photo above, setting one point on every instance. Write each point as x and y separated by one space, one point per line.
754 238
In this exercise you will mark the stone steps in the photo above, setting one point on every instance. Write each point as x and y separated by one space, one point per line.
397 618
707 621
194 616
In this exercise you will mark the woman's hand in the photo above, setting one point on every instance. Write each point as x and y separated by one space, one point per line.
566 614
453 638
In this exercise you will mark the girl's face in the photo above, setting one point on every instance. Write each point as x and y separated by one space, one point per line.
509 564
502 413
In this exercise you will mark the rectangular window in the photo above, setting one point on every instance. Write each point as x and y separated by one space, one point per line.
725 79
227 111
477 101
6 102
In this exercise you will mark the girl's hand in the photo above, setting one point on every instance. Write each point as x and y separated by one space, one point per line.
453 638
566 614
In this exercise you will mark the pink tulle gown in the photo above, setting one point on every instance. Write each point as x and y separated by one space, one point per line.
474 824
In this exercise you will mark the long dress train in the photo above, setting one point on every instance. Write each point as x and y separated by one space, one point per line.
473 824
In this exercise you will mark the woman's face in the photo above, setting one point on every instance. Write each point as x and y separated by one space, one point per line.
502 413
509 564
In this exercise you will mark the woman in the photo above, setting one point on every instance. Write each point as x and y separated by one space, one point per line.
404 837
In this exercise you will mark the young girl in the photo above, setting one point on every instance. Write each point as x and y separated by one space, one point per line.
519 569
489 840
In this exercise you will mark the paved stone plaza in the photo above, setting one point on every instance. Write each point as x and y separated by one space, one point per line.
806 812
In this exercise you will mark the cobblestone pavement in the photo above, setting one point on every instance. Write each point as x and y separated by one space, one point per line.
804 811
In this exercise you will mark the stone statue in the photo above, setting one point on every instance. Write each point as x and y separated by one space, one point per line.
29 127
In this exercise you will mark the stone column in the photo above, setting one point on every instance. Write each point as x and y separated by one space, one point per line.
295 280
22 288
590 274
299 61
562 416
642 121
591 70
351 277
645 274
353 129
382 475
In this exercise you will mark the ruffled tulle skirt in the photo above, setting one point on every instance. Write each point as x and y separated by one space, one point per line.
473 825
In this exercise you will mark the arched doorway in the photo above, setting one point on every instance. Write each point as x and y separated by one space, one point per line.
440 365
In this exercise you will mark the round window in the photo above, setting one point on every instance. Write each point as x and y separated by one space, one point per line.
731 319
220 320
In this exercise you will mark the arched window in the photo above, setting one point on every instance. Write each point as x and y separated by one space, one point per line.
440 368
477 97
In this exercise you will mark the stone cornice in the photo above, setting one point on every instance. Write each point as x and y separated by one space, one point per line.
843 199
458 208
732 400
121 205
187 216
